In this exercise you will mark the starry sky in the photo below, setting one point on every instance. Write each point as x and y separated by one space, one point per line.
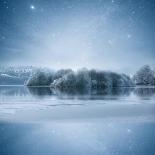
117 35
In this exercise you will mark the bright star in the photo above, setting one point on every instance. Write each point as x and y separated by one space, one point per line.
129 130
129 36
32 7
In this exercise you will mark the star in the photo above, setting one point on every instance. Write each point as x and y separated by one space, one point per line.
129 130
133 12
129 36
3 38
32 7
53 35
110 42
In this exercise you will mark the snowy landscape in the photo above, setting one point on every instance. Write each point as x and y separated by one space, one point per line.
44 119
69 104
77 77
69 79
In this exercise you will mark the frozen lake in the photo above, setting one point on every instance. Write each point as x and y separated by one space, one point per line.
42 121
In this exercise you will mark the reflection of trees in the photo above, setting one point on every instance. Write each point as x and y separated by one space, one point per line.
71 93
109 91
106 91
92 94
83 94
144 92
116 91
40 91
122 91
13 90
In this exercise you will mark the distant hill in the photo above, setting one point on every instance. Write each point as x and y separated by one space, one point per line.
14 75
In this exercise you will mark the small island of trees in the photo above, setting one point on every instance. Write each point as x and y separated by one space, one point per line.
90 79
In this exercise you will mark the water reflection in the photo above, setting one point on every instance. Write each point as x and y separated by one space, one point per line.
144 92
41 92
111 91
13 90
117 91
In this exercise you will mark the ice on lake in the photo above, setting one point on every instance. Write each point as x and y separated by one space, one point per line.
43 121
19 103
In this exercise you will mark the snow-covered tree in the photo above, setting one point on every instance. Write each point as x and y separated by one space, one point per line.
83 80
60 73
144 76
66 81
71 80
40 78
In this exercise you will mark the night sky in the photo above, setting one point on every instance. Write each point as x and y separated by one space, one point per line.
116 35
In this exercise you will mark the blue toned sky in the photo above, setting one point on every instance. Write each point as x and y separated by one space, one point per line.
116 35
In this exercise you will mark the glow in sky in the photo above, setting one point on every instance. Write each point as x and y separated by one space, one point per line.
103 34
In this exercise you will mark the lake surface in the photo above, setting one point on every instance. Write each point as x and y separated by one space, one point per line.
41 121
